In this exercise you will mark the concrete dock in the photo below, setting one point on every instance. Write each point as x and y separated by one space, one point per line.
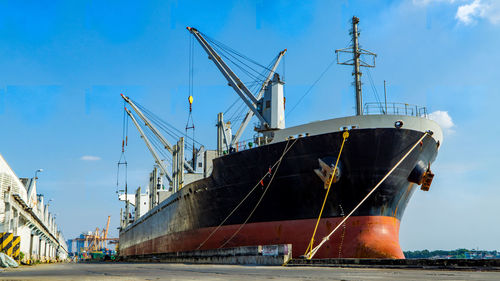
161 271
246 255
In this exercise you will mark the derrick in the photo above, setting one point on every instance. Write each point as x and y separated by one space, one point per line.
267 101
158 136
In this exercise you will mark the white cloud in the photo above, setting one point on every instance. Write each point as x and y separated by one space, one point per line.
90 158
427 2
467 12
489 9
443 119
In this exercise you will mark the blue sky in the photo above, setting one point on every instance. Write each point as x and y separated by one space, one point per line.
64 64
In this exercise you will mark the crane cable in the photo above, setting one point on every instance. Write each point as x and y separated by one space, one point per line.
123 159
345 135
123 162
326 238
190 126
166 127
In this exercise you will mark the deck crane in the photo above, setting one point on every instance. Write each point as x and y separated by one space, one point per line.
249 114
155 131
269 110
150 147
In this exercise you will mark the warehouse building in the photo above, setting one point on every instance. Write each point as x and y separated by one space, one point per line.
26 224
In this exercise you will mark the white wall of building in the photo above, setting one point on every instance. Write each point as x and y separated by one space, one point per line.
37 228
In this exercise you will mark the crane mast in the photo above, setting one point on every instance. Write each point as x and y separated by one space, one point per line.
250 114
150 147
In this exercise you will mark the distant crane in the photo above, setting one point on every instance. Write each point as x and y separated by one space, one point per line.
98 239
107 228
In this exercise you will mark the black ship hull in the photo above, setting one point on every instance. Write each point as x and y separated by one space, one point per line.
291 205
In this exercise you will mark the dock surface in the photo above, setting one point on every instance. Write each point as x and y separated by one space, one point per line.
161 271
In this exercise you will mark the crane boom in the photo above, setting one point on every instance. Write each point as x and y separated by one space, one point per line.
249 114
148 123
232 78
107 228
148 144
155 131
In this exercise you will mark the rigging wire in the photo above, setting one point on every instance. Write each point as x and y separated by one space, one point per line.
240 112
160 149
244 64
237 58
284 68
374 89
312 86
255 75
190 126
191 64
249 71
221 45
123 127
231 106
162 124
123 160
237 112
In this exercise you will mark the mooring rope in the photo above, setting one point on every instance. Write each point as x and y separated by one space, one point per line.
331 177
264 193
248 194
326 238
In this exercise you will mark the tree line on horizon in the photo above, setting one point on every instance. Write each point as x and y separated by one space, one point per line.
453 254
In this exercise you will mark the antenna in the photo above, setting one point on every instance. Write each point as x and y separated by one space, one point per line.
357 62
385 97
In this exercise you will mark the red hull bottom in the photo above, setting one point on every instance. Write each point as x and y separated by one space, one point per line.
360 237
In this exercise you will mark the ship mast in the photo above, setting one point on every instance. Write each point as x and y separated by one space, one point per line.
357 62
357 72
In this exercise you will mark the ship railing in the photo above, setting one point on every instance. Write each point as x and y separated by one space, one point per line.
248 144
245 144
395 108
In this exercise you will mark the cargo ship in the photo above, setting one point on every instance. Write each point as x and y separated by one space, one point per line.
272 190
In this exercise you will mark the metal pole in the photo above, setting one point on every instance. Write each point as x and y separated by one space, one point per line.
126 204
180 160
220 133
357 72
385 96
